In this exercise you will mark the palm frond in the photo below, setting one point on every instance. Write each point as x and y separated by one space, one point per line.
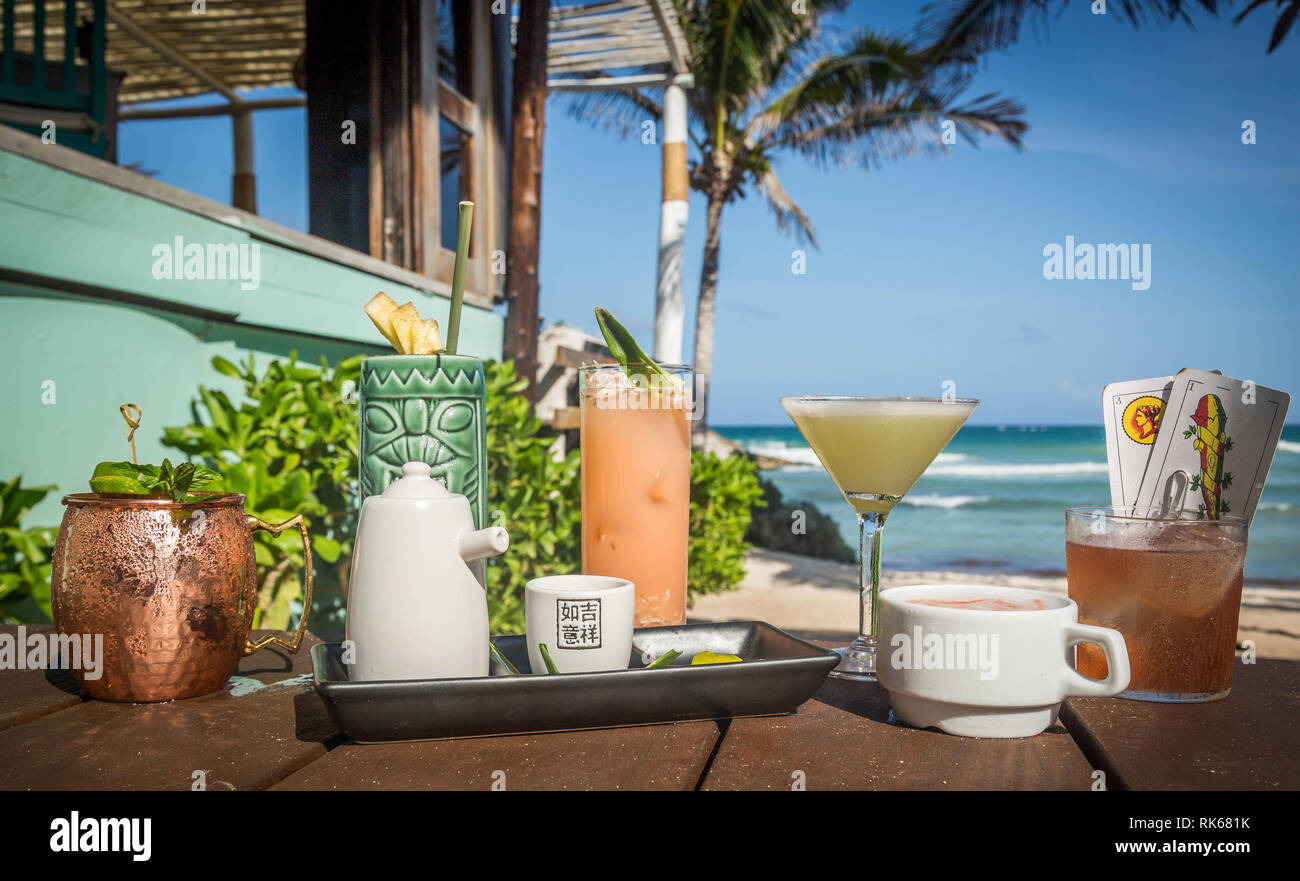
869 136
620 111
1285 19
962 30
990 116
871 67
790 218
878 99
907 125
740 47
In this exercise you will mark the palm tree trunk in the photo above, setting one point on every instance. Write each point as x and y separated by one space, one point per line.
704 318
525 232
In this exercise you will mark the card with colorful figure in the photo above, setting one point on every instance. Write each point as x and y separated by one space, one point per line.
1215 446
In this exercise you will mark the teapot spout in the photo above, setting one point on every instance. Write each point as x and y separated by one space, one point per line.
475 544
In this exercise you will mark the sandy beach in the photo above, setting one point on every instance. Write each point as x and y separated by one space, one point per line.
818 599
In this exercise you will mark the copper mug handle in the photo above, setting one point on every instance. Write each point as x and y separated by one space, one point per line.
275 529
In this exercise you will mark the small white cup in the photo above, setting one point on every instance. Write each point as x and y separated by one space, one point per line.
585 622
984 673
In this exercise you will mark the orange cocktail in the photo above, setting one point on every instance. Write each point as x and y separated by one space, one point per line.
636 485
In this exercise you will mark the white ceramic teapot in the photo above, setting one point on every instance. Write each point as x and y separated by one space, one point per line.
415 610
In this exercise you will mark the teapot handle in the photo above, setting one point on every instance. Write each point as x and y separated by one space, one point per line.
275 529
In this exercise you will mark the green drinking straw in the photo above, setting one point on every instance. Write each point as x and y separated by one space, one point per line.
458 275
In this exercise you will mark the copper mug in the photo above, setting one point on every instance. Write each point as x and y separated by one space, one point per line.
171 586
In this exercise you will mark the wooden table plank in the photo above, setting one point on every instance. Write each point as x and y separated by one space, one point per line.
29 694
1245 741
843 739
265 724
647 757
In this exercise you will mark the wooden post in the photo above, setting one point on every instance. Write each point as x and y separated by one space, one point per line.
392 231
338 122
670 306
528 124
243 187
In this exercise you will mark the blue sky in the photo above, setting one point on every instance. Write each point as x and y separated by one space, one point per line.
931 269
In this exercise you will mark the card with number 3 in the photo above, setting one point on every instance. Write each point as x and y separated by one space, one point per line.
1132 412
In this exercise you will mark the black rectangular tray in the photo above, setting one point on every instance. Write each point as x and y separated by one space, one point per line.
779 673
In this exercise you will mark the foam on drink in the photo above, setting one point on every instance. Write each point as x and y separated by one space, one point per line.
984 604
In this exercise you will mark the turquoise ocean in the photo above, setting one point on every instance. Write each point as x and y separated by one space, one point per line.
994 499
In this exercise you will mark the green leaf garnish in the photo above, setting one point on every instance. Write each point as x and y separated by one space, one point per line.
546 658
622 345
502 659
130 479
663 660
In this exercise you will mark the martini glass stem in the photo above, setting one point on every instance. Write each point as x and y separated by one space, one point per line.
859 661
872 530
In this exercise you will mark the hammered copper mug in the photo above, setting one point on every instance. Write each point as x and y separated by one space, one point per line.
172 587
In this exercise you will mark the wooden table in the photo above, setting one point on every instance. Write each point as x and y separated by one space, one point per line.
268 729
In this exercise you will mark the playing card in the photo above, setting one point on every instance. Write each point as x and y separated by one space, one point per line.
1220 433
1131 411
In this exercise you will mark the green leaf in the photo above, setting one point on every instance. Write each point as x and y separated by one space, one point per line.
25 543
262 555
119 469
114 486
502 659
280 611
663 660
204 476
221 365
219 409
623 346
182 477
546 658
16 500
327 548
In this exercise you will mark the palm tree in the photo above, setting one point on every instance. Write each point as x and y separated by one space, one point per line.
768 84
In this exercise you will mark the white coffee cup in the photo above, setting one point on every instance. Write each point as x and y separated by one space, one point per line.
585 621
979 672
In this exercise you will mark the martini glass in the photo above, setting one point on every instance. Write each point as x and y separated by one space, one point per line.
874 449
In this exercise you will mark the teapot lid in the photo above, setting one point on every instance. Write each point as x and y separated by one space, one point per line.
416 482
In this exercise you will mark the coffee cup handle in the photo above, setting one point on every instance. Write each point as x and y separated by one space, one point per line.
275 529
1117 671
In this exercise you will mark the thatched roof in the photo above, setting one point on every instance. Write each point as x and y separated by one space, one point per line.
246 44
249 44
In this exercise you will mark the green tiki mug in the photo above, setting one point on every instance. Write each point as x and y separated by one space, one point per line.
425 408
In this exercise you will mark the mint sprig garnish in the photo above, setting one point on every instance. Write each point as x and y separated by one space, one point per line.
166 480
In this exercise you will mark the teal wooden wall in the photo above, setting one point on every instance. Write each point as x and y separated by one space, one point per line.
99 352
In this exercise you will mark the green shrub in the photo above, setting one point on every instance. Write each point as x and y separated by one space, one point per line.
291 448
723 494
531 494
24 556
773 529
